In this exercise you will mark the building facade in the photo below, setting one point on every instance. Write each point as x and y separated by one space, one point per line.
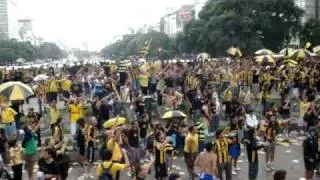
4 26
311 8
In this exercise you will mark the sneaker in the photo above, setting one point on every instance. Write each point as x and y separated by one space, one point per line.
237 168
267 168
234 172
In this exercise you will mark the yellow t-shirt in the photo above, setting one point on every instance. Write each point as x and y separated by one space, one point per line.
54 115
16 155
8 115
76 112
113 146
304 106
52 86
193 139
66 85
228 95
114 169
144 80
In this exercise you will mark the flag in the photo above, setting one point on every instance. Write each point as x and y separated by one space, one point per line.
145 49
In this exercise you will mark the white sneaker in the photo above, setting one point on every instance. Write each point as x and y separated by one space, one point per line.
234 172
237 169
267 168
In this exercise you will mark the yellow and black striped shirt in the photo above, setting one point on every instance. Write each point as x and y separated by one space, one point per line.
221 147
192 82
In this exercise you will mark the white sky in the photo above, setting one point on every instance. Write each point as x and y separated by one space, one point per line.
97 22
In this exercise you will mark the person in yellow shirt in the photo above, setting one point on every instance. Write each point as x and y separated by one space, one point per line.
54 114
144 82
303 108
76 112
15 154
52 92
8 118
110 168
227 101
191 149
114 146
66 87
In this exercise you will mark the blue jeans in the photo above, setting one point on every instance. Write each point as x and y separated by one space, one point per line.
10 129
206 177
253 170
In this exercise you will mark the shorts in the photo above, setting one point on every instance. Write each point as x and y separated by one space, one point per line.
205 176
73 129
270 148
29 161
66 94
161 171
10 129
144 90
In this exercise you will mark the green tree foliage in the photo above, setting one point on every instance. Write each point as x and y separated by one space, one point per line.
49 50
11 50
311 32
130 44
250 24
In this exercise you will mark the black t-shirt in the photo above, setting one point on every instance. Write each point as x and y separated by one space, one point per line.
48 168
255 78
283 110
311 94
104 112
134 138
80 137
143 128
310 119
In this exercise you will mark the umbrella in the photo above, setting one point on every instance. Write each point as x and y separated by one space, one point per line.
286 51
15 90
266 58
300 54
316 50
234 52
41 77
203 56
117 121
20 60
291 63
264 52
174 115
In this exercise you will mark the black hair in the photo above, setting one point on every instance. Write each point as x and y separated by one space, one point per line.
106 155
280 175
173 176
12 143
218 133
208 147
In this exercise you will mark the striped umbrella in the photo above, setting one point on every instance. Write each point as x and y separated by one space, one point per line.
15 90
264 52
265 59
117 121
316 50
300 54
291 63
234 52
286 51
174 115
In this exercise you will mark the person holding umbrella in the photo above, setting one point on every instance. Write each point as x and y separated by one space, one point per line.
8 118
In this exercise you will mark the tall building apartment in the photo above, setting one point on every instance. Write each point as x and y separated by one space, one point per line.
4 29
311 8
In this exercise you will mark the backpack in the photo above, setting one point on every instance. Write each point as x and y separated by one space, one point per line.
106 173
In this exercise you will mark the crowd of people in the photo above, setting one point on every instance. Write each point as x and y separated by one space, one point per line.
257 101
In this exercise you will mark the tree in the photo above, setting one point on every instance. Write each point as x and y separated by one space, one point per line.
311 32
11 50
49 50
130 44
250 24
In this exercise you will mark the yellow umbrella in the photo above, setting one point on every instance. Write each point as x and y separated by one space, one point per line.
300 54
15 90
291 63
234 52
286 51
264 52
174 115
316 50
117 121
266 58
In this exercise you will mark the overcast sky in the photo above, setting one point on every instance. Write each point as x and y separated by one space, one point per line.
97 22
